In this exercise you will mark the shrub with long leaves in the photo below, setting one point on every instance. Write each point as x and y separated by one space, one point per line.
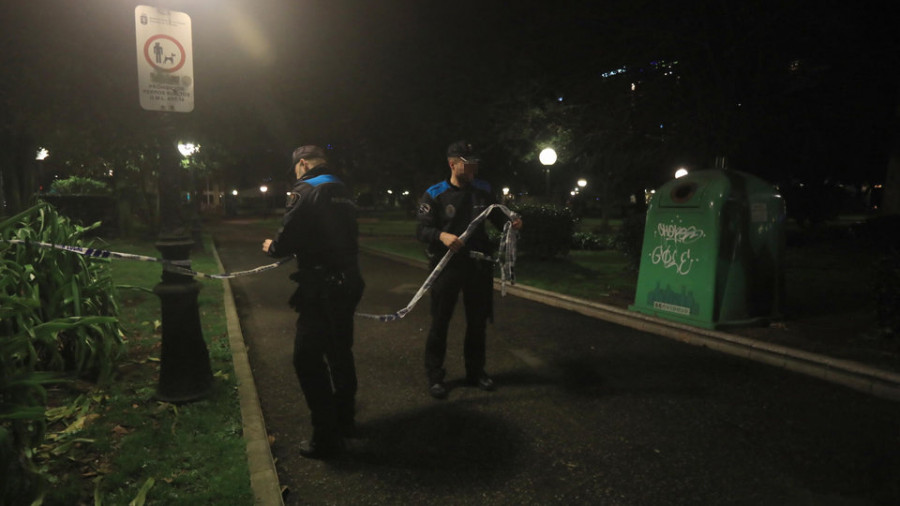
58 316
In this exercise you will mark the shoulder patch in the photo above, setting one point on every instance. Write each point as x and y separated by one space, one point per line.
438 189
424 208
324 178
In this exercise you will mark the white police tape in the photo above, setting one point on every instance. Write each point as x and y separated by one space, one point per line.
177 266
507 262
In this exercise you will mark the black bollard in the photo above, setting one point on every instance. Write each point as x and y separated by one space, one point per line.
184 374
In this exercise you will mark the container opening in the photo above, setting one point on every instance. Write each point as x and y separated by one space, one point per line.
683 192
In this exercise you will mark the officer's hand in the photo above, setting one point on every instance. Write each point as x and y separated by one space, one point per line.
266 244
517 223
451 241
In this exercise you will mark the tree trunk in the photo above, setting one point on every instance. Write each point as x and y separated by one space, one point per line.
890 203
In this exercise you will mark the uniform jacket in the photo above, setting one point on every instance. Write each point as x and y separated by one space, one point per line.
448 208
319 225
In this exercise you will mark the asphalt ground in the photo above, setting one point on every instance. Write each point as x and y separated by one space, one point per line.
587 411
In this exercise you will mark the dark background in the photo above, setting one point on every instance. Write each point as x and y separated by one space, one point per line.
795 90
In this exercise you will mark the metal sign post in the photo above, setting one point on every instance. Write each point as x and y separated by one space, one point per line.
166 85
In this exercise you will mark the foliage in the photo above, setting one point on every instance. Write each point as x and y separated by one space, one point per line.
114 443
630 238
550 230
589 241
58 315
887 294
77 185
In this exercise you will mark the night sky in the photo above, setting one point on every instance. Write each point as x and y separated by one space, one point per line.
282 72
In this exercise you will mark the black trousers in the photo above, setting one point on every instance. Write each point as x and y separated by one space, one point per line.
474 279
323 349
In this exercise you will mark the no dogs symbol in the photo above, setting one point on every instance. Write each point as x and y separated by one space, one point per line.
164 53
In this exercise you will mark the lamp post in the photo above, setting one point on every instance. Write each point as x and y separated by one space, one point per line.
547 158
188 150
165 89
264 190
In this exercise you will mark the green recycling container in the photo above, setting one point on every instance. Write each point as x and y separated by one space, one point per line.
713 250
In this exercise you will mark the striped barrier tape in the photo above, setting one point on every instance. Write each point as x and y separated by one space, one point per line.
507 263
506 260
177 266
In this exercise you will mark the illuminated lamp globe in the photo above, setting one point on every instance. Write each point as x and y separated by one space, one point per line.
547 156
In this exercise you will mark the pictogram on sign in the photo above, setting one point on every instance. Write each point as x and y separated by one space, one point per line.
168 54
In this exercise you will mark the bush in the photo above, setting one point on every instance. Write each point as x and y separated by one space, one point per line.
549 231
57 315
630 238
79 186
589 241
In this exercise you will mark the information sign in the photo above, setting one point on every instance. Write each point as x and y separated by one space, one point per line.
164 62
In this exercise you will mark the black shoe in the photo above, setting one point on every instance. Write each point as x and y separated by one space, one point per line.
438 390
321 449
482 381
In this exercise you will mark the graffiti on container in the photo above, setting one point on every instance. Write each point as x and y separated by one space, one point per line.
672 252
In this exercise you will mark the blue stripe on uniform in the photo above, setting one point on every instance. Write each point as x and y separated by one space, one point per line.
438 189
324 178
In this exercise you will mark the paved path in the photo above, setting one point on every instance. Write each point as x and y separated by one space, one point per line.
588 412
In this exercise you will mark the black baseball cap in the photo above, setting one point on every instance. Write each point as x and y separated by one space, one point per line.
464 150
306 152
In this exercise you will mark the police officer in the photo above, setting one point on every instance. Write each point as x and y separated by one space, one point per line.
320 228
445 211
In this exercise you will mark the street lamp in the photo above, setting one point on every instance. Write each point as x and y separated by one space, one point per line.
681 172
582 183
188 148
547 158
264 190
185 373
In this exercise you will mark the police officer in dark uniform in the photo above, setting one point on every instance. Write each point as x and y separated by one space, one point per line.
445 211
320 228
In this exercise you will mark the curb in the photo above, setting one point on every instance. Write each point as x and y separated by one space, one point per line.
870 380
263 476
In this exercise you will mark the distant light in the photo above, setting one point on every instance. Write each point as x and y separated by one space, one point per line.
188 148
582 183
681 172
547 156
660 125
234 192
390 192
506 190
633 87
559 99
572 193
264 188
42 154
405 193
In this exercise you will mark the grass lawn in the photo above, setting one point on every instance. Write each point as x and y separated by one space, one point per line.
592 275
114 443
